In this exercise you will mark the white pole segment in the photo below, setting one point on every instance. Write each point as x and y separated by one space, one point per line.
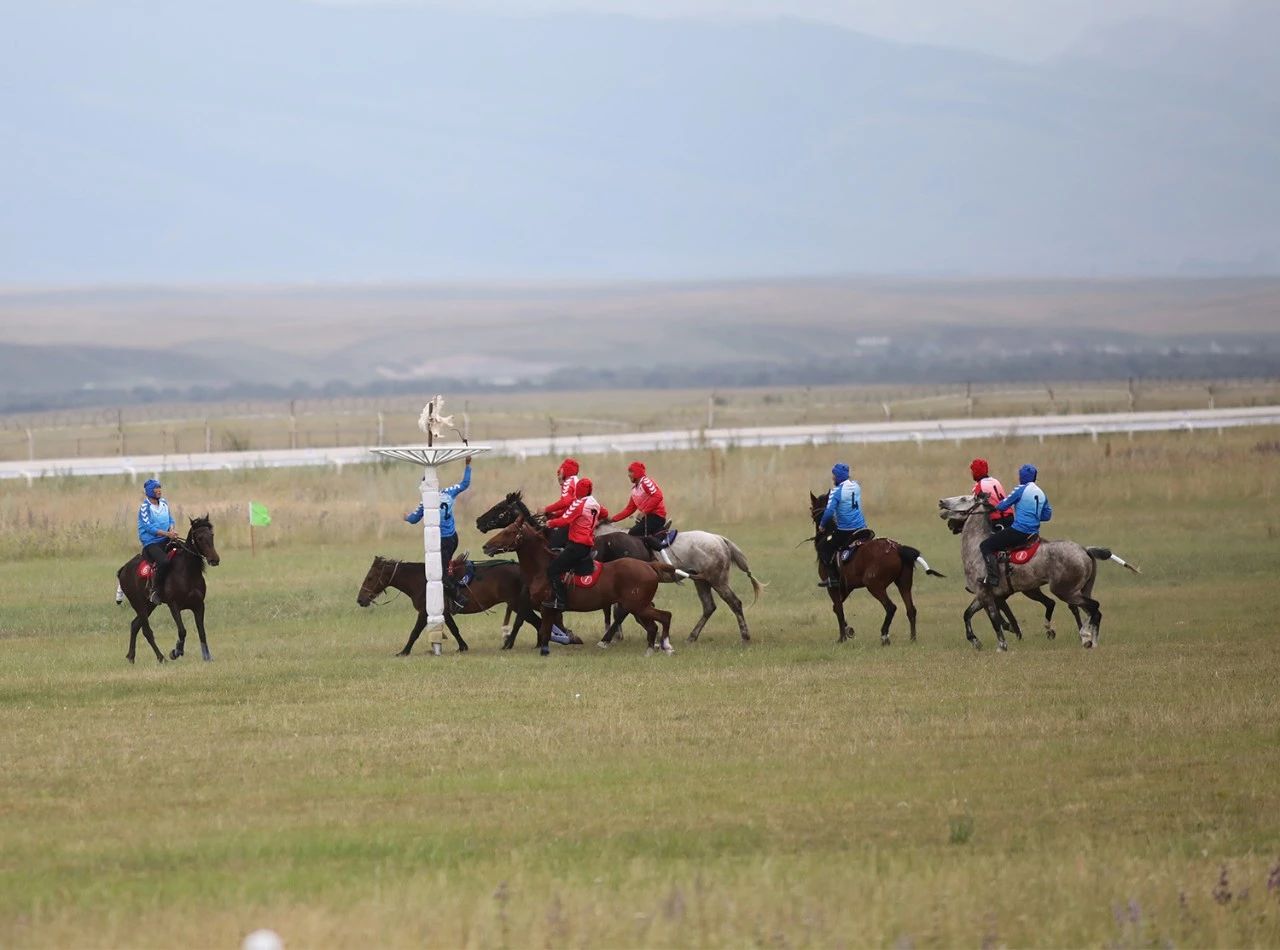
431 551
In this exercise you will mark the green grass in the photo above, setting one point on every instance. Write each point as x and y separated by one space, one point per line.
793 792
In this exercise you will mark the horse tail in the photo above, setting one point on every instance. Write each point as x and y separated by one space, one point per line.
1104 554
740 560
909 557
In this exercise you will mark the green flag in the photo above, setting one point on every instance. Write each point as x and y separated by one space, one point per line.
258 515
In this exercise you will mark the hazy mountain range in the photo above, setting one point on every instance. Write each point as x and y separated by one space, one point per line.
278 140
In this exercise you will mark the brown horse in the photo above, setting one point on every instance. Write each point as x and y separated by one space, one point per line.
627 581
874 565
184 589
495 583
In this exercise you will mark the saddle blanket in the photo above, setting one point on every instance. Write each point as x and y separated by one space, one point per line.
589 579
145 568
1024 554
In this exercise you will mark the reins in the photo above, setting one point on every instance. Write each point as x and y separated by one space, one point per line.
395 596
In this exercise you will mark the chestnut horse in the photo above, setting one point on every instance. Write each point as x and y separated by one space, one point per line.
184 589
874 565
627 581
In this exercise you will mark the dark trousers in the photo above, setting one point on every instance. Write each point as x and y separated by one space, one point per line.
159 557
448 548
647 525
1003 541
558 537
832 542
566 560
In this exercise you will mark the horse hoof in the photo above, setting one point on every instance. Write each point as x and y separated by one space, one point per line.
545 651
129 658
977 644
884 641
160 658
602 645
463 648
648 651
1088 644
208 657
174 654
1004 648
1051 633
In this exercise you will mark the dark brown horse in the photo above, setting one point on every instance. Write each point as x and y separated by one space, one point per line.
629 582
184 589
874 565
494 583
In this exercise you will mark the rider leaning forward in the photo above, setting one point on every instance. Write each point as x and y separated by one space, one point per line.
581 518
646 500
986 485
567 475
155 530
844 514
1030 508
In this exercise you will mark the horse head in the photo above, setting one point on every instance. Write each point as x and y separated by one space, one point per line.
200 539
503 513
957 509
381 571
817 505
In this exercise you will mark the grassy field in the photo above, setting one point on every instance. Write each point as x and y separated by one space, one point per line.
790 793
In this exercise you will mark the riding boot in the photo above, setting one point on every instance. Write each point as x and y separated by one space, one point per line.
993 570
157 584
559 596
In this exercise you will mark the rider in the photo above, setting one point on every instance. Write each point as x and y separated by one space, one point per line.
986 485
646 498
581 518
567 475
844 514
448 529
155 530
1030 508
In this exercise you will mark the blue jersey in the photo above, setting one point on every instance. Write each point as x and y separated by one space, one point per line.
1030 508
844 505
447 497
152 520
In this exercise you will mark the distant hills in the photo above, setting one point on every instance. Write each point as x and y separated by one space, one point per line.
277 140
61 348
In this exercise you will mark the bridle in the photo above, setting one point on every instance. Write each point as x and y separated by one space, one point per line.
395 566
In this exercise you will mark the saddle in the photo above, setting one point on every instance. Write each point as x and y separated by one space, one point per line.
462 571
663 539
584 574
859 538
1021 555
145 568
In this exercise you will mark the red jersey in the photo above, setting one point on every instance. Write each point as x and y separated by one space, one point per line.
581 517
568 492
646 498
991 489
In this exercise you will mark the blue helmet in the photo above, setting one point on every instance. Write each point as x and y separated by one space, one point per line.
1027 473
840 471
149 487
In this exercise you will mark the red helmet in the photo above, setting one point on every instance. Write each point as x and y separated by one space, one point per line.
584 487
978 468
567 467
636 469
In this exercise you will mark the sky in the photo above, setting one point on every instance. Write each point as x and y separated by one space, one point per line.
1027 30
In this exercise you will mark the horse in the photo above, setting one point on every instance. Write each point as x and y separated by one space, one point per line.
495 582
1069 569
874 565
629 582
184 589
706 556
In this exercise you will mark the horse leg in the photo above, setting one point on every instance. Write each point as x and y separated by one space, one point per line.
837 607
729 597
1076 600
1012 622
969 635
507 629
544 630
620 614
648 618
419 626
1048 604
993 611
179 647
151 640
134 627
890 608
198 612
708 608
904 588
453 628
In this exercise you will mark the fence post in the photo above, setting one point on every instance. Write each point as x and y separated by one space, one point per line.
119 432
208 436
381 428
293 424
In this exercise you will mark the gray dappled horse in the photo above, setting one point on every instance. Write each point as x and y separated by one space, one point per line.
707 556
1067 568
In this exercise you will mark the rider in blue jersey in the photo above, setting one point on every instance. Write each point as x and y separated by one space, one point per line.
155 531
448 529
841 521
1030 508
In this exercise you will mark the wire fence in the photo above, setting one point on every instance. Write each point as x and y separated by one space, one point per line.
186 429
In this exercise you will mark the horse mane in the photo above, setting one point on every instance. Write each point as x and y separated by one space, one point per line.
516 498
